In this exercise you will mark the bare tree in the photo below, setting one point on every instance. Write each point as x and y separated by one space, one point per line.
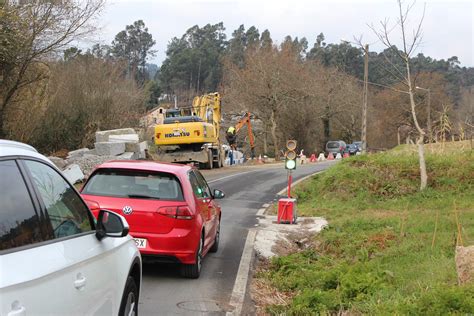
409 45
30 34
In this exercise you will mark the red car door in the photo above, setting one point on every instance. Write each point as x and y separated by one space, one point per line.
202 205
213 219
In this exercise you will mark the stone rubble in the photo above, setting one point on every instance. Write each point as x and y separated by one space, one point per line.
118 144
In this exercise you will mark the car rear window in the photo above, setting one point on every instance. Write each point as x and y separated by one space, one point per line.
134 184
333 145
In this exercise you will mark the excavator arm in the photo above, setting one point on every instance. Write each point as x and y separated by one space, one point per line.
245 120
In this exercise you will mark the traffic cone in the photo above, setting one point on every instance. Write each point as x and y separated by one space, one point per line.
259 160
338 156
346 155
330 156
321 157
312 158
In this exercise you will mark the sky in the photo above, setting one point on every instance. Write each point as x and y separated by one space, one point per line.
448 25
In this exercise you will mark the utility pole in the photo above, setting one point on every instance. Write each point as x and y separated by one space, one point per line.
364 101
428 125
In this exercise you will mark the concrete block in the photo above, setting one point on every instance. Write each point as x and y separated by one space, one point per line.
126 156
109 148
73 173
60 163
136 147
78 153
103 136
129 138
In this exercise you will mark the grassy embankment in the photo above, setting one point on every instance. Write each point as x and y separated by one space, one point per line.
389 249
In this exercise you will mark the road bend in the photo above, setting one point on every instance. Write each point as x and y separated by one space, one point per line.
165 292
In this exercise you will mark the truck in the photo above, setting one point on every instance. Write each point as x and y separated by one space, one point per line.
192 135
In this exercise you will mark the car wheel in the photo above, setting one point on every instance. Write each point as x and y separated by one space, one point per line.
215 246
129 304
192 271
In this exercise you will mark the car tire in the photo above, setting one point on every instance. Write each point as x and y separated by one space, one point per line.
215 246
129 304
192 271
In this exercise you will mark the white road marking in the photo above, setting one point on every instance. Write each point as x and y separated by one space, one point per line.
261 212
240 285
265 205
229 176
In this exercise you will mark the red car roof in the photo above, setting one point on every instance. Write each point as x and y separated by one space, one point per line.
145 165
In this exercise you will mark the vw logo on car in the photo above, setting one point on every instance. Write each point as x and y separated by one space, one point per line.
127 210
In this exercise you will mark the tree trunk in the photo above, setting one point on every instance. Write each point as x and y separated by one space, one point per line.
2 133
421 157
273 129
265 146
398 135
421 133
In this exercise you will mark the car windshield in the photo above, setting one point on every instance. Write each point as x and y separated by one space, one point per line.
333 145
134 184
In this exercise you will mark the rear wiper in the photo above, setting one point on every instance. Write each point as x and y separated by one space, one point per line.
140 196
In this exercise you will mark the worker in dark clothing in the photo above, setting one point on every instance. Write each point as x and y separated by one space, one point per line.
231 137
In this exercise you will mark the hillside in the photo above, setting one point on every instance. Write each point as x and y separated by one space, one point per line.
389 248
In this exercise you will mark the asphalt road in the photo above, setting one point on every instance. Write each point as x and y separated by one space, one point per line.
165 292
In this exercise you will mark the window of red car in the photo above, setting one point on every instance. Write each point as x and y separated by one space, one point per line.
202 182
134 184
199 185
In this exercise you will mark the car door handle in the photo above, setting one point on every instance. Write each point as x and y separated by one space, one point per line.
80 281
17 309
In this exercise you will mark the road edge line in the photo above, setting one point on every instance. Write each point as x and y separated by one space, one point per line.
240 286
229 176
299 180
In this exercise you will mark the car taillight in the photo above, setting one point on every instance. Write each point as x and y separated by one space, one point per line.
177 212
340 148
93 206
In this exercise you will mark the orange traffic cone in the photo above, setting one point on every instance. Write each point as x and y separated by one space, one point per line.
346 155
330 156
312 158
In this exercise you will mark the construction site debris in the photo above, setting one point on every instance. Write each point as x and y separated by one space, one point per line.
103 136
73 173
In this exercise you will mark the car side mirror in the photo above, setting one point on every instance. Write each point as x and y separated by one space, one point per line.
218 194
110 224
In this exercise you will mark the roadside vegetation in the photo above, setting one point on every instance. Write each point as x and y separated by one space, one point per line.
389 248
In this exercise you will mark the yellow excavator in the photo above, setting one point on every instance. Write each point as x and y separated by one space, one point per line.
191 135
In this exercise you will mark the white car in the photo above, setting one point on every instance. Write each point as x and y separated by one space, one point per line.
54 258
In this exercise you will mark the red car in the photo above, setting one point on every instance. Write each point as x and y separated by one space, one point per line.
172 213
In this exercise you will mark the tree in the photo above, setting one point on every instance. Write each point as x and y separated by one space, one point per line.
293 98
30 34
237 45
193 61
134 45
408 48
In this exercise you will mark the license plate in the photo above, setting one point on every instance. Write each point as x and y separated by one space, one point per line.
140 242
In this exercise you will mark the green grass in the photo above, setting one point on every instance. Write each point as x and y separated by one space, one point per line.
377 257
